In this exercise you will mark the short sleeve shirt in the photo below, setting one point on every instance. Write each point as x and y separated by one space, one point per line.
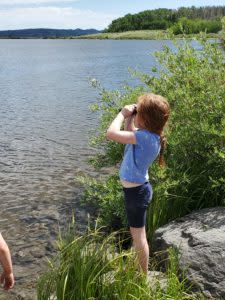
139 157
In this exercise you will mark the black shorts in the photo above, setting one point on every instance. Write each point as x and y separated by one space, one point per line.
137 200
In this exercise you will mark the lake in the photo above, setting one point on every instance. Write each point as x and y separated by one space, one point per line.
45 127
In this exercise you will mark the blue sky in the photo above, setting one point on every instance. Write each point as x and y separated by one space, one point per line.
71 14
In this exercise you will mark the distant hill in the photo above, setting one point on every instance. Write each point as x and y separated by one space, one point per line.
44 33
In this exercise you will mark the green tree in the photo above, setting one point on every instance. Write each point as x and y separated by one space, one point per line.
163 18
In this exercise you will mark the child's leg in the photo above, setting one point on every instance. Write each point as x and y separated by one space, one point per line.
141 246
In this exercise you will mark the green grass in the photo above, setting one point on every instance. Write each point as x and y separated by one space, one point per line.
94 266
137 35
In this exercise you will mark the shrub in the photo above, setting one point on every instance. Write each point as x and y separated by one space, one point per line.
188 26
104 200
192 78
223 30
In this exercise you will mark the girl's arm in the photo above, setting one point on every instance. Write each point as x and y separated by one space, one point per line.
114 131
7 278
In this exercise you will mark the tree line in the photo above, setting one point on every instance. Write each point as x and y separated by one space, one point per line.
183 19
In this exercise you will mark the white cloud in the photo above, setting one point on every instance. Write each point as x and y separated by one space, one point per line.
28 2
53 17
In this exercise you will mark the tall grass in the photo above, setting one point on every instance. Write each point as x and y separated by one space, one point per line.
94 266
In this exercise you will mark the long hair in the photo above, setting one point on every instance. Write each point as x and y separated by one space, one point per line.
153 112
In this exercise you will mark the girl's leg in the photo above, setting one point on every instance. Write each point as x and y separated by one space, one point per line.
141 246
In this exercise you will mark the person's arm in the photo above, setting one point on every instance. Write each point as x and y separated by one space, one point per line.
7 278
114 131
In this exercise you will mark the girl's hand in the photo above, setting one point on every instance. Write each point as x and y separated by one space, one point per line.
128 110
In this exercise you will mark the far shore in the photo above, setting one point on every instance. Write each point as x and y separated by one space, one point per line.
140 35
127 35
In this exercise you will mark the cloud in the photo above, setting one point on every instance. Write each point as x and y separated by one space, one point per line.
28 2
53 17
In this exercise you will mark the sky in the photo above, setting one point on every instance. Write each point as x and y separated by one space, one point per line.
85 14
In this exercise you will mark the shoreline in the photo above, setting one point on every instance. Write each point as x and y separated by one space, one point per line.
127 35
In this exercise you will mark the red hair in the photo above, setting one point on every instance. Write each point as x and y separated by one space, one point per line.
153 112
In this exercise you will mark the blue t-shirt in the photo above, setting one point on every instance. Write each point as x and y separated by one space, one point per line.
139 157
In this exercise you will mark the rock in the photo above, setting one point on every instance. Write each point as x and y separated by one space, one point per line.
21 253
6 296
200 238
157 278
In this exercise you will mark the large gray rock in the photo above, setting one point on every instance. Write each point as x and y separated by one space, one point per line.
200 238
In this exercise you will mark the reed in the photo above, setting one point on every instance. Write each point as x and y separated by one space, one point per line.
95 266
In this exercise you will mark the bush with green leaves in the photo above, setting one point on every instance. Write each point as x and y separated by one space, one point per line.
223 30
193 81
104 201
188 26
191 76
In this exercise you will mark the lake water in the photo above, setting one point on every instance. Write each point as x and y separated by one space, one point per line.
45 125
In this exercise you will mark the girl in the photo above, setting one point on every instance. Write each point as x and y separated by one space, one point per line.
143 136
